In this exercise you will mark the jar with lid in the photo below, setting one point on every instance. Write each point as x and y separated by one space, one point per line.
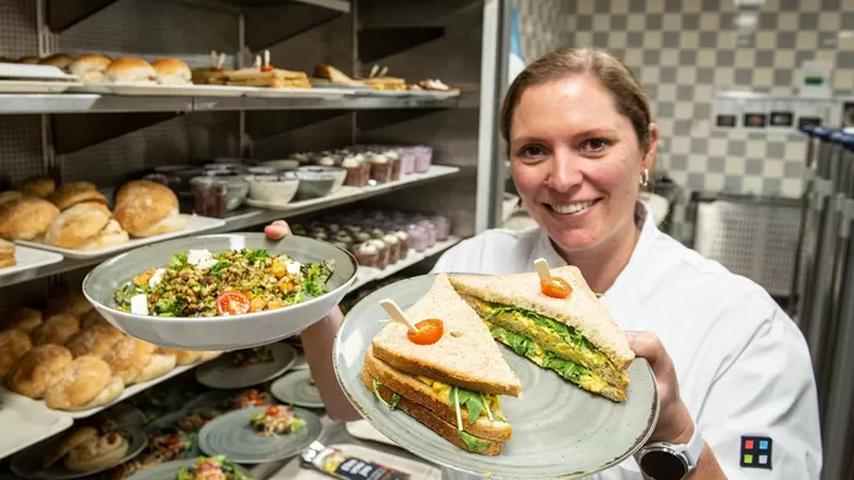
209 196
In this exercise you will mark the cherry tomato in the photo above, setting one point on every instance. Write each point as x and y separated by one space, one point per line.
556 287
429 331
272 411
266 68
232 303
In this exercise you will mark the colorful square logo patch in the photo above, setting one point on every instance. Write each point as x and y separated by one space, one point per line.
756 452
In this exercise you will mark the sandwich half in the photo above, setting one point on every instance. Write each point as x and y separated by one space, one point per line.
573 336
450 386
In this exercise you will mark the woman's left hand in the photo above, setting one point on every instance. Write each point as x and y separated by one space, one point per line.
277 230
675 424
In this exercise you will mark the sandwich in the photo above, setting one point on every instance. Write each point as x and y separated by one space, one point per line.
264 75
130 70
145 208
90 68
331 75
452 385
85 226
26 218
573 336
213 74
385 83
7 254
172 71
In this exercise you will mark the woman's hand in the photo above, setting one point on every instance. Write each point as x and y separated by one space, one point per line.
277 230
675 424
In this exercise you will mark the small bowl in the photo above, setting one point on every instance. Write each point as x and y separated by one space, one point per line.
273 188
281 165
319 181
221 332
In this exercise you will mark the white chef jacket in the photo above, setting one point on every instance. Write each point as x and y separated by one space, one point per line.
742 364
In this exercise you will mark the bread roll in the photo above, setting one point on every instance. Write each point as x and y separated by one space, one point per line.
160 364
77 224
37 369
90 68
63 300
111 234
92 319
145 208
183 357
172 71
24 319
73 193
9 195
38 186
69 442
82 380
210 355
13 345
130 70
57 329
30 59
103 452
129 357
7 254
96 340
59 60
26 218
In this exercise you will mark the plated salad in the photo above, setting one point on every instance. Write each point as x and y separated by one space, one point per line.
276 420
208 468
198 283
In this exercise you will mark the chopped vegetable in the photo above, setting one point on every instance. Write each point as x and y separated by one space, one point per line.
556 287
429 332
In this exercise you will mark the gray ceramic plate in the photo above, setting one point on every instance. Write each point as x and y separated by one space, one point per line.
28 464
169 470
232 436
559 430
224 332
296 388
220 373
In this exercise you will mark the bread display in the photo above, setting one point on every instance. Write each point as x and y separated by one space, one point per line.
59 60
7 254
14 344
77 224
37 369
86 382
26 218
130 70
96 340
145 208
57 329
72 193
90 68
172 71
40 187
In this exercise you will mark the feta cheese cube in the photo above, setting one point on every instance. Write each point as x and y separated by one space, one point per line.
139 304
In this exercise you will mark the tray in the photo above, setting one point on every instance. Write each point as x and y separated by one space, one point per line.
30 258
162 90
328 93
35 86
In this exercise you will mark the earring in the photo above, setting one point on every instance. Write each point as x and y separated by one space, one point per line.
644 178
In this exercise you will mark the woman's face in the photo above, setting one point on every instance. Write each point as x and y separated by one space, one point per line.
577 162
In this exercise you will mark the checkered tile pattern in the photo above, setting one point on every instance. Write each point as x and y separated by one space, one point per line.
683 51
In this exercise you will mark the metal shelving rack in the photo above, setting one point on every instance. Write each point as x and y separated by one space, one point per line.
112 138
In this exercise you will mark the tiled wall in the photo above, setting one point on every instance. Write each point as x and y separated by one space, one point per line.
682 51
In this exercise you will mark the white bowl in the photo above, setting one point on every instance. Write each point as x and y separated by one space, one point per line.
224 332
274 191
281 164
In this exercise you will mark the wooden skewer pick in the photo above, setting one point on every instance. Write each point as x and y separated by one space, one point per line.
257 61
542 267
213 58
266 58
220 61
383 71
374 70
396 314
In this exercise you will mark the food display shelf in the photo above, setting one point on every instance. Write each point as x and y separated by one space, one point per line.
251 217
37 103
367 275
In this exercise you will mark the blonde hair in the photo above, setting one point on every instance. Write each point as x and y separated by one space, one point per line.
628 95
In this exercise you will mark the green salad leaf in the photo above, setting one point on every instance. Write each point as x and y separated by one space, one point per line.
256 255
473 444
315 276
218 267
178 260
472 401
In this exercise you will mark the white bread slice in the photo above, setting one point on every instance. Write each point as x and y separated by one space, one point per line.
582 310
465 356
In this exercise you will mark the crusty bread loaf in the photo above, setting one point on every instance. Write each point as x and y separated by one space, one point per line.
96 340
145 208
129 357
82 380
411 388
14 344
90 68
77 224
57 329
172 71
76 192
130 70
70 441
24 319
465 356
40 187
429 419
582 310
26 218
37 369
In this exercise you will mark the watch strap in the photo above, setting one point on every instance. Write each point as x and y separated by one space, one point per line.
694 448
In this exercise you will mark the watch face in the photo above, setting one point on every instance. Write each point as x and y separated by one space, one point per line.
663 466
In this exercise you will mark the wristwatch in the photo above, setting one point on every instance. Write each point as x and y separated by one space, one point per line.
666 461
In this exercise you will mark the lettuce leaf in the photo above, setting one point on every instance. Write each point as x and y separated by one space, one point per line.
473 402
178 260
473 444
315 276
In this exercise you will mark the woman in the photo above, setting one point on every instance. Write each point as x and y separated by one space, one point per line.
735 383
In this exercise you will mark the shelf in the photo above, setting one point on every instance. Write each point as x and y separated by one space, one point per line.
37 103
250 217
367 275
